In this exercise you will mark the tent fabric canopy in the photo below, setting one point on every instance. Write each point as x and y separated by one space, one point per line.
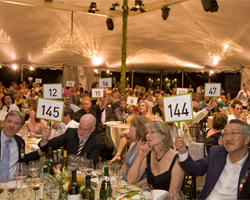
190 39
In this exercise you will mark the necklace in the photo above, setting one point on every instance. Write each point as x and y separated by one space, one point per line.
160 157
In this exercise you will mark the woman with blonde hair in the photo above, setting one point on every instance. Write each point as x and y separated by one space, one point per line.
158 158
144 109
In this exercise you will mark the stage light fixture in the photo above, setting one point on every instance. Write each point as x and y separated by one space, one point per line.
110 23
210 5
165 12
138 5
114 5
93 7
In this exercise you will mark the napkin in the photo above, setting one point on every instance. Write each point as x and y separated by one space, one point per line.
158 195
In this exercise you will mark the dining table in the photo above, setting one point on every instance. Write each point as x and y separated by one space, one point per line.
113 130
124 189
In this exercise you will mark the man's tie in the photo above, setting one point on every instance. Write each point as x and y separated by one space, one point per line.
8 108
79 148
5 161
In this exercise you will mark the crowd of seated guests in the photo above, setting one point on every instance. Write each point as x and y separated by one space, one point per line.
151 156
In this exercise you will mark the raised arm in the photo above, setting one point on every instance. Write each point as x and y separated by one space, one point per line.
104 100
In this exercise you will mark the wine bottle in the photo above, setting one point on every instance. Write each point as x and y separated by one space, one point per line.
22 153
74 188
64 163
88 193
106 190
50 162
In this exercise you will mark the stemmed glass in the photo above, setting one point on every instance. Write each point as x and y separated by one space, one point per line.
147 192
117 170
72 160
89 166
34 180
11 187
98 171
81 163
21 176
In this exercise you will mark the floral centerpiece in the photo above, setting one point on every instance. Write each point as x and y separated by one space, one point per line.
63 179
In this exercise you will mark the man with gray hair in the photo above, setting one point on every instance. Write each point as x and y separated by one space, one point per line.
81 141
12 147
227 166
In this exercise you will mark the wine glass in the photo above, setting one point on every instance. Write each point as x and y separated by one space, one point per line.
72 160
33 169
21 176
34 180
147 192
53 191
98 171
177 195
89 166
11 187
81 163
118 173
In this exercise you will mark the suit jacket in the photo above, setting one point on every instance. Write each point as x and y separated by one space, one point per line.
70 141
21 145
213 165
109 115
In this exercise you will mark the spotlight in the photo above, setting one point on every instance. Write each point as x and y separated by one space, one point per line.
138 5
114 5
14 67
210 5
110 24
92 7
165 12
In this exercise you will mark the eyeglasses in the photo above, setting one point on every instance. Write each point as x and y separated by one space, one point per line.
224 134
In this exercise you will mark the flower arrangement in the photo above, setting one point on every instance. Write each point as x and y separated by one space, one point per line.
63 179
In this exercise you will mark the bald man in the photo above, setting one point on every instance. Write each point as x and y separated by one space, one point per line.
73 137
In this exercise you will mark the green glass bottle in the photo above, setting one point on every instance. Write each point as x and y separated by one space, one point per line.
74 188
106 190
88 193
64 163
50 162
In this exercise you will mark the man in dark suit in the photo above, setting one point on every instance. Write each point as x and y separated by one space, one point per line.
72 139
226 166
12 147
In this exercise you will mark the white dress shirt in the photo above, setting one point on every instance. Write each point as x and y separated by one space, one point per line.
72 124
12 107
13 154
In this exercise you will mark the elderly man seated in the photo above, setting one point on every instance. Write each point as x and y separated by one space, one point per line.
79 141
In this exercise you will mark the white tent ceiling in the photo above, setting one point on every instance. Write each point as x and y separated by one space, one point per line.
188 39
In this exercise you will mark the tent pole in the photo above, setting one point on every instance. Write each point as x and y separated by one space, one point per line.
182 78
132 79
22 73
124 45
161 79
